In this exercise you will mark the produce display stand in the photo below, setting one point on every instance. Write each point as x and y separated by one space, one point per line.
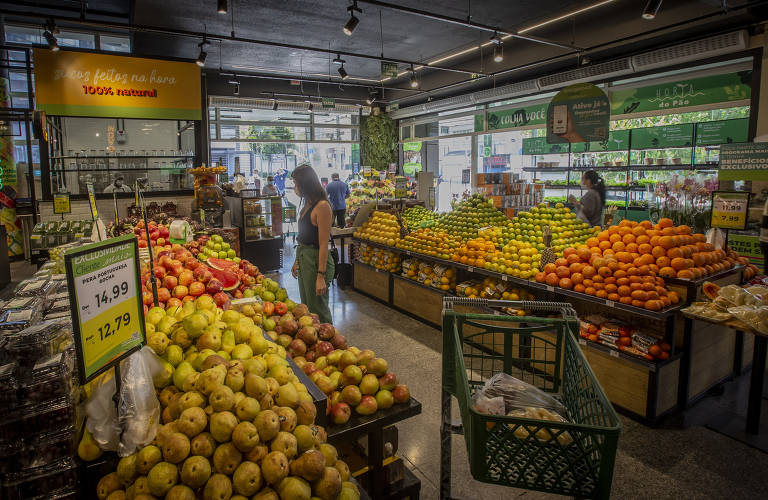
373 427
575 457
645 390
749 430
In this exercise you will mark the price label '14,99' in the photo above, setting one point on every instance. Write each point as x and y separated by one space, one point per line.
107 310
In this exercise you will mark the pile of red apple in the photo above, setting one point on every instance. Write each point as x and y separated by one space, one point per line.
350 377
158 234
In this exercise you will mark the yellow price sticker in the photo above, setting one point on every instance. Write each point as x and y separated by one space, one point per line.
729 210
61 203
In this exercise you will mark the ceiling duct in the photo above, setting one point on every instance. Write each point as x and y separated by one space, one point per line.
692 51
266 104
602 71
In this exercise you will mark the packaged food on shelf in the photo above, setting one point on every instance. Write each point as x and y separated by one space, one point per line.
8 385
40 341
50 378
34 288
50 416
40 481
16 320
38 450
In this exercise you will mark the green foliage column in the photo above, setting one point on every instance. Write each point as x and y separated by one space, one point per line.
378 141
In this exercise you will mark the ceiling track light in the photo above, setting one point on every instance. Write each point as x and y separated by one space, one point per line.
236 89
651 9
343 73
203 54
414 80
274 105
498 48
310 107
234 80
338 60
349 28
50 37
222 6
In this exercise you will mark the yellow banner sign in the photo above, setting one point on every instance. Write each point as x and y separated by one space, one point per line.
85 84
61 203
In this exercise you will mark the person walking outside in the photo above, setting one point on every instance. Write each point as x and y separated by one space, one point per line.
590 207
338 192
314 265
269 189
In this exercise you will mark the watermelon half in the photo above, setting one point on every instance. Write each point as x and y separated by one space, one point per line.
220 264
229 279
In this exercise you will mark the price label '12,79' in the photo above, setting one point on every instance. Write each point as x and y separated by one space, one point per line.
107 312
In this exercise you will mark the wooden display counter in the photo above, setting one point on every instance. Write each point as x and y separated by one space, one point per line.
428 301
372 282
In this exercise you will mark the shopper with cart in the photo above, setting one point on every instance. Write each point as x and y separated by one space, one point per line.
314 265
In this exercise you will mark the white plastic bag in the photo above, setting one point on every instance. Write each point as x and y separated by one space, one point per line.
519 395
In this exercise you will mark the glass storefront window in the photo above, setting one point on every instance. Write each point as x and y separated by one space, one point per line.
115 43
31 35
455 157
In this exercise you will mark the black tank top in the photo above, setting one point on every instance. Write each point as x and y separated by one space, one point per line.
307 230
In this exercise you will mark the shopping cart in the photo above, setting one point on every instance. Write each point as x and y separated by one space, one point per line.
575 457
289 217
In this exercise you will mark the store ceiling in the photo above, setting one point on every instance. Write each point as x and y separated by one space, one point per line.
615 27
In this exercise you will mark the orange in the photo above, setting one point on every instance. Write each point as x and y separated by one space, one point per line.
602 294
562 272
699 237
647 259
603 236
678 263
568 251
588 283
640 304
590 291
566 283
666 242
673 297
622 281
614 238
619 273
561 262
685 274
541 277
610 280
577 278
644 248
579 288
653 305
588 271
592 242
628 238
652 295
613 230
648 287
608 252
632 247
615 297
597 262
604 271
605 245
550 268
666 223
584 254
642 239
618 246
699 259
625 223
639 295
643 270
654 350
626 300
611 288
668 231
654 241
674 253
552 279
683 229
654 268
632 271
623 256
623 231
646 224
573 258
576 267
624 291
596 250
635 286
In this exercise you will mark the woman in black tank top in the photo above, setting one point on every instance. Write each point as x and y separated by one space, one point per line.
313 266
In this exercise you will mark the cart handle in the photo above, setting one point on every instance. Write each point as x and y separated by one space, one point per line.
566 309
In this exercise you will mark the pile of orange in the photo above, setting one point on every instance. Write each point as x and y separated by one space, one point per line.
475 252
668 251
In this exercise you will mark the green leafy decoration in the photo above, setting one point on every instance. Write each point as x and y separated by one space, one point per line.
378 141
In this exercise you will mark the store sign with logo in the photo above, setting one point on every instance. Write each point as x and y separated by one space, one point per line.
722 132
540 146
412 146
748 162
86 84
618 140
729 209
107 312
388 69
727 88
578 113
516 117
669 136
401 187
329 102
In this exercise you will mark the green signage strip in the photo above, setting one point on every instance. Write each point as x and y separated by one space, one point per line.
747 161
412 146
107 309
388 69
706 90
539 146
579 113
329 102
670 136
517 117
747 246
618 140
722 132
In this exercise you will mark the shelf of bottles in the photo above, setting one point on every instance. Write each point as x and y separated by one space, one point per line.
258 223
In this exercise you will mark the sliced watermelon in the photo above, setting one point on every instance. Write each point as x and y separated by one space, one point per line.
220 264
229 279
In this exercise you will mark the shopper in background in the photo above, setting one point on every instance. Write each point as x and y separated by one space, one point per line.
590 207
280 180
313 266
269 189
117 186
338 192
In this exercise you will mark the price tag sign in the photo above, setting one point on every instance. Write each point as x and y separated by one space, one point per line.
367 171
92 200
729 209
401 187
61 203
615 354
107 311
582 342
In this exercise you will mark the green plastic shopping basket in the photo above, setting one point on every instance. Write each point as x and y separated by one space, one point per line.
574 458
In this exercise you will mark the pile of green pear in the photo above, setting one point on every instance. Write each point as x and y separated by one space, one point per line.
237 423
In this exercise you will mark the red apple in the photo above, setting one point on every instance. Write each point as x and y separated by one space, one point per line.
170 282
213 286
163 294
186 299
164 259
173 302
203 274
308 368
269 308
221 298
238 294
176 267
142 243
180 291
388 381
192 263
163 232
340 413
147 298
186 278
196 288
401 393
280 308
137 230
160 272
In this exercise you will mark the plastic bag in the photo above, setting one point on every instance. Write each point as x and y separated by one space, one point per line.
139 407
756 317
519 395
488 406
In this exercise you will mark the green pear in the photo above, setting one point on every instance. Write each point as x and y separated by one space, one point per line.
222 424
245 436
242 332
191 399
255 386
181 372
247 478
192 421
228 341
174 355
161 478
268 424
287 418
286 443
247 409
180 492
235 379
305 439
274 468
226 458
287 396
175 448
203 445
222 398
218 487
255 366
126 469
147 458
257 341
107 484
294 488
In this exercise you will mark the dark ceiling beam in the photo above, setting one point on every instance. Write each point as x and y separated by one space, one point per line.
32 8
225 38
468 23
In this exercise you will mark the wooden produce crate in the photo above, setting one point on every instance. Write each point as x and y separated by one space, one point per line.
418 300
372 282
710 352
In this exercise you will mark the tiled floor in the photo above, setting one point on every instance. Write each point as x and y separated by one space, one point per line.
680 459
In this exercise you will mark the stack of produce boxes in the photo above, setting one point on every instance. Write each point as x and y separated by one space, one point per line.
508 194
38 393
437 276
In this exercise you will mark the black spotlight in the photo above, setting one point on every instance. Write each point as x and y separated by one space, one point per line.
49 36
349 28
498 48
203 54
274 105
651 9
414 80
222 6
343 73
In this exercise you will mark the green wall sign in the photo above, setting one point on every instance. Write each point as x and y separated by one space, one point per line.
579 113
722 132
747 161
670 136
539 146
328 102
683 93
412 146
747 246
618 140
517 117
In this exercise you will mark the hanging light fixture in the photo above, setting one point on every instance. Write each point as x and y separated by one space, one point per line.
310 107
234 80
274 104
343 73
349 28
498 48
236 89
651 9
222 6
203 54
338 59
50 37
414 80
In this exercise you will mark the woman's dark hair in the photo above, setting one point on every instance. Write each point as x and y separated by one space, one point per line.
597 183
310 189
